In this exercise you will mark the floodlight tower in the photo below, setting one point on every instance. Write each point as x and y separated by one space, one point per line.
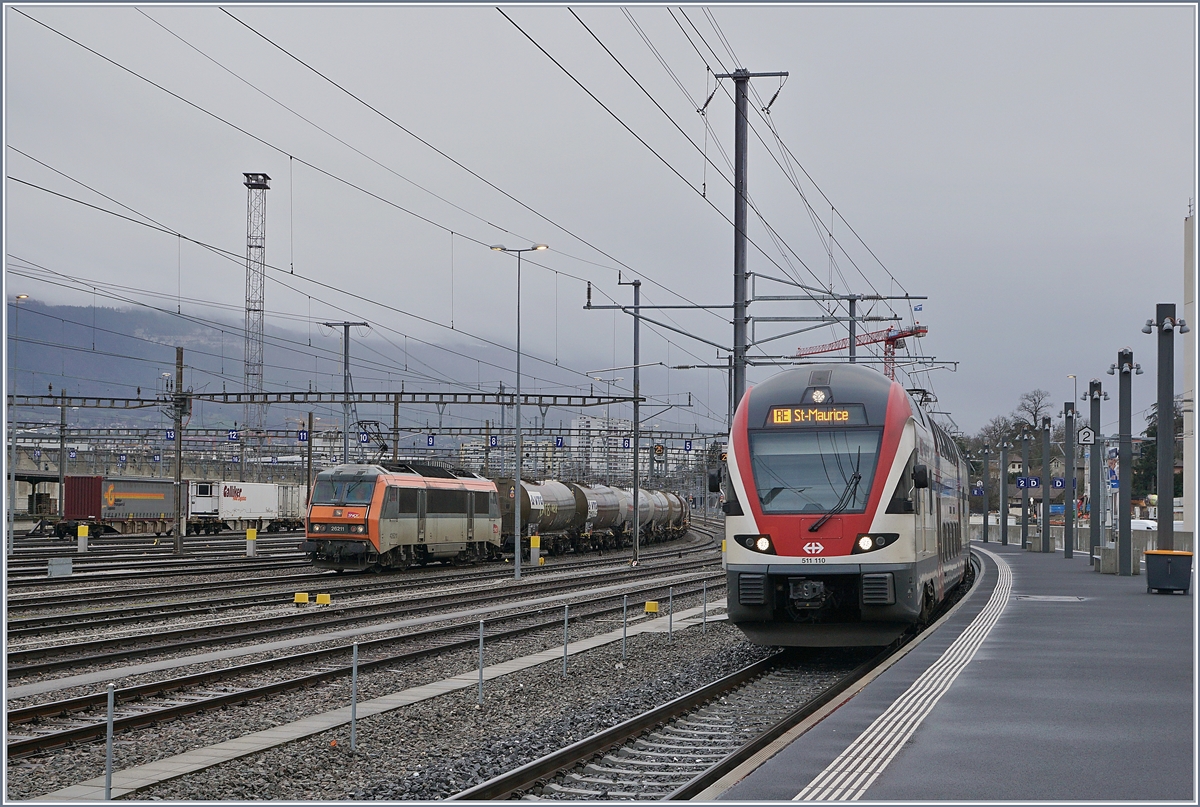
255 413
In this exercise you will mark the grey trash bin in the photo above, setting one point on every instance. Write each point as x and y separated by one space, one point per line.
1168 570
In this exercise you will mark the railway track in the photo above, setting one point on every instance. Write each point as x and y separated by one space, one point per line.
679 748
35 661
330 582
55 724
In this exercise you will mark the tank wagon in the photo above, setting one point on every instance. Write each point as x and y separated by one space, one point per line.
352 527
846 510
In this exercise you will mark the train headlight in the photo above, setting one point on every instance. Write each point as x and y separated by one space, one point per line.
758 543
870 541
316 527
358 527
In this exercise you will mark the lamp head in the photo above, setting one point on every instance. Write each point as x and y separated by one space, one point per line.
499 248
22 296
1183 326
540 247
1148 327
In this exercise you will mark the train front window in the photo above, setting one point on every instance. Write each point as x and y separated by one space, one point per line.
810 471
343 491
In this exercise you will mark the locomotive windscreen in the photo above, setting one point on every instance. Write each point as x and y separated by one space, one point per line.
811 471
354 490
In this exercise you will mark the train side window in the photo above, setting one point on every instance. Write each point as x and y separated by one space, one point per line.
451 502
903 500
391 503
203 490
406 501
493 505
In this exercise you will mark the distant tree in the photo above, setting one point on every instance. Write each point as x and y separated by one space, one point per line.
1034 405
1145 464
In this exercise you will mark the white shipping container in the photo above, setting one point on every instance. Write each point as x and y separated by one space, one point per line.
291 501
248 500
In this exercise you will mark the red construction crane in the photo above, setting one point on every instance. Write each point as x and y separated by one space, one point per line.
889 336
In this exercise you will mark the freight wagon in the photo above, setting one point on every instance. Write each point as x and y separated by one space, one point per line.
112 504
138 506
217 506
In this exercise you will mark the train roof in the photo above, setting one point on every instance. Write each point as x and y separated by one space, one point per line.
836 383
419 469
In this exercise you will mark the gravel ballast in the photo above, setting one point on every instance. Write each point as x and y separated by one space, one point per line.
426 750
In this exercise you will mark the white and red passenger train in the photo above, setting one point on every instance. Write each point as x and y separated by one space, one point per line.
846 511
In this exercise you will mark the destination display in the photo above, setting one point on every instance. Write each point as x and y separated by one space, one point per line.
828 415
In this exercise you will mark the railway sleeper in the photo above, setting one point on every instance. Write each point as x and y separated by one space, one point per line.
618 781
696 753
591 792
639 766
645 744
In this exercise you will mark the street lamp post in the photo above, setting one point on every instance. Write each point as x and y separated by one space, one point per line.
1098 487
1128 369
1165 322
987 478
1047 543
1069 479
517 476
1004 446
12 448
1025 438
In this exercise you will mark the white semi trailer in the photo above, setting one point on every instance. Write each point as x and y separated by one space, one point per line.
217 506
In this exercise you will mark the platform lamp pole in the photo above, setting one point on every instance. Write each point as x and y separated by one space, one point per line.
1098 490
987 478
1165 322
1069 478
517 474
1047 544
1025 438
1004 447
1128 369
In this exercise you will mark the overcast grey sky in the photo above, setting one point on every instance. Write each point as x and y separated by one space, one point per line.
1027 168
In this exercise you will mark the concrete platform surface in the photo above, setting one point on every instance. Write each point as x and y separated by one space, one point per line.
1051 682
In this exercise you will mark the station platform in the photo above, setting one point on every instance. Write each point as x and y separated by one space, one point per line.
1050 682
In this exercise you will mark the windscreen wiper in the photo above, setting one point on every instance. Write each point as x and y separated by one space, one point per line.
847 496
773 492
